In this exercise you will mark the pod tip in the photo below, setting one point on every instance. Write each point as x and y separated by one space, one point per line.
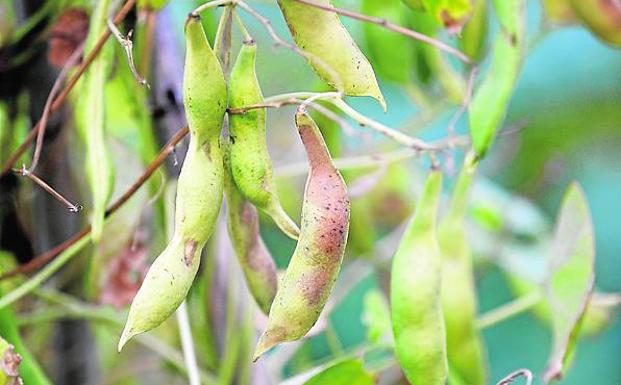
380 98
127 334
266 342
283 221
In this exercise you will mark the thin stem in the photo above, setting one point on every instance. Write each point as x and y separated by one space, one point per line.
211 4
391 133
128 46
392 27
517 374
34 282
78 309
42 126
74 208
243 29
509 310
60 99
42 259
187 344
349 163
466 102
362 120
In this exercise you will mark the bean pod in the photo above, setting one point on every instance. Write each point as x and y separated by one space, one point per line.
333 53
253 256
250 160
199 189
466 355
317 258
90 123
418 324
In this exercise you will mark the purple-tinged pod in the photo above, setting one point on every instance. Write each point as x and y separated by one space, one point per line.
316 261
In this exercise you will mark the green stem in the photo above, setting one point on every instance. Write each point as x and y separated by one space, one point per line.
45 273
187 344
73 308
509 310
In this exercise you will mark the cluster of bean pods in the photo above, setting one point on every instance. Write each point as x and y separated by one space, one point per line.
238 166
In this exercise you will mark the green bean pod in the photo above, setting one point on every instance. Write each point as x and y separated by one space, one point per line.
603 17
253 256
474 35
334 55
90 122
199 189
417 320
465 351
250 160
316 261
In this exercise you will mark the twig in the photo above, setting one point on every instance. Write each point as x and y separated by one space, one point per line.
74 208
465 103
211 4
398 136
60 99
508 310
128 46
187 344
517 374
42 126
42 259
392 27
267 23
277 104
361 119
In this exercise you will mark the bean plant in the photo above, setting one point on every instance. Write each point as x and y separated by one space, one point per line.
199 255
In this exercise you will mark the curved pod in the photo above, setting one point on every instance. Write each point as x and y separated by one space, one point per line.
250 160
334 55
317 258
199 190
418 323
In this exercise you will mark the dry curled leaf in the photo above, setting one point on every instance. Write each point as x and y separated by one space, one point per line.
66 35
124 276
9 364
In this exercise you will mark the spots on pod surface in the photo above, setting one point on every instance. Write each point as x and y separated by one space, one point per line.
189 251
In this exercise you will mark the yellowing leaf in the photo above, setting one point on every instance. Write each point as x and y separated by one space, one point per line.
570 284
348 372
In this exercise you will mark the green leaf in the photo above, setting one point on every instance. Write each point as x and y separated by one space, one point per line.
570 284
391 54
376 316
348 372
432 61
490 102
